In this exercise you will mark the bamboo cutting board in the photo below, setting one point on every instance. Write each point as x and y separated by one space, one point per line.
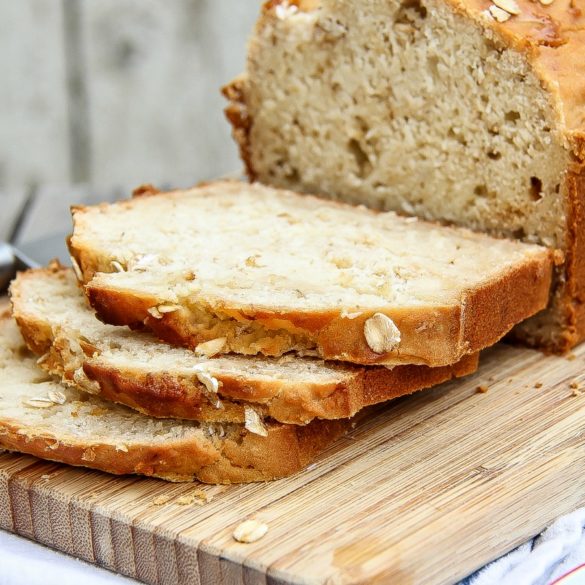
426 490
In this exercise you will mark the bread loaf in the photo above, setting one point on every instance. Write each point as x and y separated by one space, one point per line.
468 111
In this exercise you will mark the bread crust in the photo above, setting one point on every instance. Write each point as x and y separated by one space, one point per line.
169 394
575 295
343 400
552 39
234 455
287 450
455 332
241 458
238 116
562 326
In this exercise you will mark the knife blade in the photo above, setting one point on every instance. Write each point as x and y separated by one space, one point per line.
11 261
30 255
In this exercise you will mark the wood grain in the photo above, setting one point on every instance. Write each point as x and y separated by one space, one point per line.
33 100
153 73
118 91
425 491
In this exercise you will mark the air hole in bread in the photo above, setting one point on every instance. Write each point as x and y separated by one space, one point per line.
361 158
519 234
512 116
457 136
410 11
535 188
480 191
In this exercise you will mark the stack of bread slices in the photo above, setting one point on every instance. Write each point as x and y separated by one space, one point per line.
231 332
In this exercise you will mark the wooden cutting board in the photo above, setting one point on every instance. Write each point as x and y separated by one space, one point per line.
426 490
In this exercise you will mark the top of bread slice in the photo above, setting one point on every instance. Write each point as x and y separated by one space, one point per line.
134 369
50 420
269 271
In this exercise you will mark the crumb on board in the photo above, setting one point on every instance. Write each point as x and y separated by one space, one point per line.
571 356
574 385
198 497
538 385
482 389
576 392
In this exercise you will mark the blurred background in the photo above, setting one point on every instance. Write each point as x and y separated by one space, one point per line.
98 96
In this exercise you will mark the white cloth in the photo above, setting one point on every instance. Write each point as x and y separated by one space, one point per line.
24 562
560 548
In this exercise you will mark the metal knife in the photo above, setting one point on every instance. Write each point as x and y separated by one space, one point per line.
30 255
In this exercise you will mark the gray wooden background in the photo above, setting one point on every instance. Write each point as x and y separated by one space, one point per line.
117 92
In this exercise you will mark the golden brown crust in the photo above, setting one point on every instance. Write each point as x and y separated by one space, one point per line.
165 397
489 313
511 299
167 394
180 461
237 114
376 387
569 300
239 458
161 395
234 455
287 450
433 337
574 288
145 190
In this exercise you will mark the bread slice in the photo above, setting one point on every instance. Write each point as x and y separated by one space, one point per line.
41 417
268 271
449 110
134 369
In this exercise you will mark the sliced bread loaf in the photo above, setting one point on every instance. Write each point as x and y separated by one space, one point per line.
261 271
469 111
134 369
41 417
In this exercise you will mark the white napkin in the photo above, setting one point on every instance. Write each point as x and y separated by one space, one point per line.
560 548
24 562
